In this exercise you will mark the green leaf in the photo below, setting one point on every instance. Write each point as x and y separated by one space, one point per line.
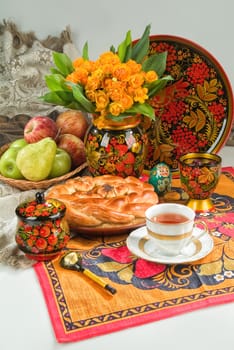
158 85
140 49
122 48
66 96
52 97
142 108
75 105
85 52
156 62
63 63
112 49
128 53
55 82
81 99
62 98
139 108
55 71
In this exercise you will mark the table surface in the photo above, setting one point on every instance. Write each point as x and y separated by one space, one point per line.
25 323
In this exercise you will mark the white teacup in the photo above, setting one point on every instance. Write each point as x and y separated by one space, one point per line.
171 226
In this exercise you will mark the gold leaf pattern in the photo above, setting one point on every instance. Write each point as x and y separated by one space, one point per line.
111 266
213 89
163 152
211 268
201 120
200 91
193 121
213 133
125 274
213 82
186 119
166 148
209 97
229 250
228 263
206 177
206 85
197 120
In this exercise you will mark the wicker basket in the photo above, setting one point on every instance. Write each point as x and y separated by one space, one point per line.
25 185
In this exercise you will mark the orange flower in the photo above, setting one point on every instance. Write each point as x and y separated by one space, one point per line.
93 83
108 57
101 100
151 76
127 101
112 85
141 95
115 90
116 108
78 76
134 66
121 72
136 80
78 62
116 81
91 95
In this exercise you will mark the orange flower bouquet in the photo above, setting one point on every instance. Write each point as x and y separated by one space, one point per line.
119 84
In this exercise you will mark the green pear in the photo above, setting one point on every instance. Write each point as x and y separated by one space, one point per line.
35 160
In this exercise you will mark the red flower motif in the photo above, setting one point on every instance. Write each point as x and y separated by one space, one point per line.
223 223
141 267
121 254
129 158
128 169
44 231
145 269
120 167
122 149
41 243
52 240
30 209
227 229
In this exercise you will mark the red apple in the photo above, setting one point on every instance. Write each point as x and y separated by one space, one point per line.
72 122
74 146
39 127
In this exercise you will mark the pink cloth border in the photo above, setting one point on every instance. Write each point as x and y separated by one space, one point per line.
62 336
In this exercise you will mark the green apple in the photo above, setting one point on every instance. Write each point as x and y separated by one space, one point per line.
61 164
8 167
18 144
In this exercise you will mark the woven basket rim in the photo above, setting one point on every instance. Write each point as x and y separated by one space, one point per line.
43 184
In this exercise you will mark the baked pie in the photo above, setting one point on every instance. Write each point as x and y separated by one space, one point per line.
104 201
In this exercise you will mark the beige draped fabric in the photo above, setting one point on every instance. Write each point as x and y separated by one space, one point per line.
24 61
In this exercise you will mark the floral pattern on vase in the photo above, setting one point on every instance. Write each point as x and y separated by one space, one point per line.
117 151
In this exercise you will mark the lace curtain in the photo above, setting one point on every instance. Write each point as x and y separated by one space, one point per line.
24 61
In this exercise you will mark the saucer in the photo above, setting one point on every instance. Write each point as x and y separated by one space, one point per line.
141 245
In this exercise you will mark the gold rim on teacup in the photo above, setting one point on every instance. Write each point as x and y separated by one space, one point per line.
171 238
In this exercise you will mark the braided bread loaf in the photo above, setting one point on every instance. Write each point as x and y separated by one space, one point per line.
104 201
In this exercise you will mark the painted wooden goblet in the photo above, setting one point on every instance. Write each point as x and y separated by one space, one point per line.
199 176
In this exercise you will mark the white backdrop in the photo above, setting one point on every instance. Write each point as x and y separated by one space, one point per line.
104 22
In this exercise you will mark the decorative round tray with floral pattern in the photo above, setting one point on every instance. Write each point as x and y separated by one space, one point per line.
194 113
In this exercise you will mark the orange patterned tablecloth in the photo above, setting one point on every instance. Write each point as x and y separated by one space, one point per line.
146 291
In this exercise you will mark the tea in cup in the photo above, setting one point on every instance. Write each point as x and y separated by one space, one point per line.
170 226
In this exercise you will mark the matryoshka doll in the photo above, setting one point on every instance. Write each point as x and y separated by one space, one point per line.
160 177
